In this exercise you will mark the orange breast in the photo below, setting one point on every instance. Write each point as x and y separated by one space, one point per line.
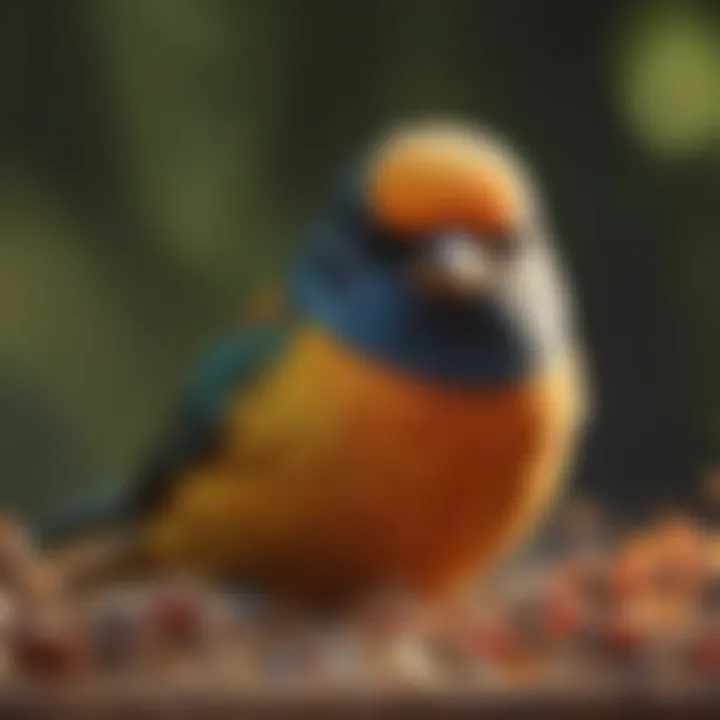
339 475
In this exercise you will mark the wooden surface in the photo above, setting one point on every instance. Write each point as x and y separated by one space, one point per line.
70 704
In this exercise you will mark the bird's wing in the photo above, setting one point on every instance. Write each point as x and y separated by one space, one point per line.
197 426
194 430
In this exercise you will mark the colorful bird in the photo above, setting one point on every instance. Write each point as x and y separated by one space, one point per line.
414 415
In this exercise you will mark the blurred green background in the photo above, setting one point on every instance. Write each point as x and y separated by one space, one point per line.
160 159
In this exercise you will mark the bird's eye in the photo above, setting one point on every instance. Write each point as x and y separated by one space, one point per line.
500 246
385 248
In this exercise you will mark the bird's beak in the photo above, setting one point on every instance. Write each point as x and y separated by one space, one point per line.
454 266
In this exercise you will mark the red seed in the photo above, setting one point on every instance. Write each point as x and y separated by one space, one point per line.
177 615
48 653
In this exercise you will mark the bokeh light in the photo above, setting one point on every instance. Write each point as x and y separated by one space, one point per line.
667 76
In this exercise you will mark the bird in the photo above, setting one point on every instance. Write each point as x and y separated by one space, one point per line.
412 414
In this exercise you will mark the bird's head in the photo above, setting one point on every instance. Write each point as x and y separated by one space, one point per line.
429 259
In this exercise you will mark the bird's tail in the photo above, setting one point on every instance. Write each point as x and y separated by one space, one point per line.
107 508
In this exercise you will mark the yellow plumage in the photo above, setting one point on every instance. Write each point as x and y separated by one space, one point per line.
338 475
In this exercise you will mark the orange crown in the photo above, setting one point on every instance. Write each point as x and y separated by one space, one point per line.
433 177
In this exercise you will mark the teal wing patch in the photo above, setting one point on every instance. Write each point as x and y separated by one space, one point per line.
195 428
234 363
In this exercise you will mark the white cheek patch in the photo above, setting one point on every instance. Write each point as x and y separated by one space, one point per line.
535 293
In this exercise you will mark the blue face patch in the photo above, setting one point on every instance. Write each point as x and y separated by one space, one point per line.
355 284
